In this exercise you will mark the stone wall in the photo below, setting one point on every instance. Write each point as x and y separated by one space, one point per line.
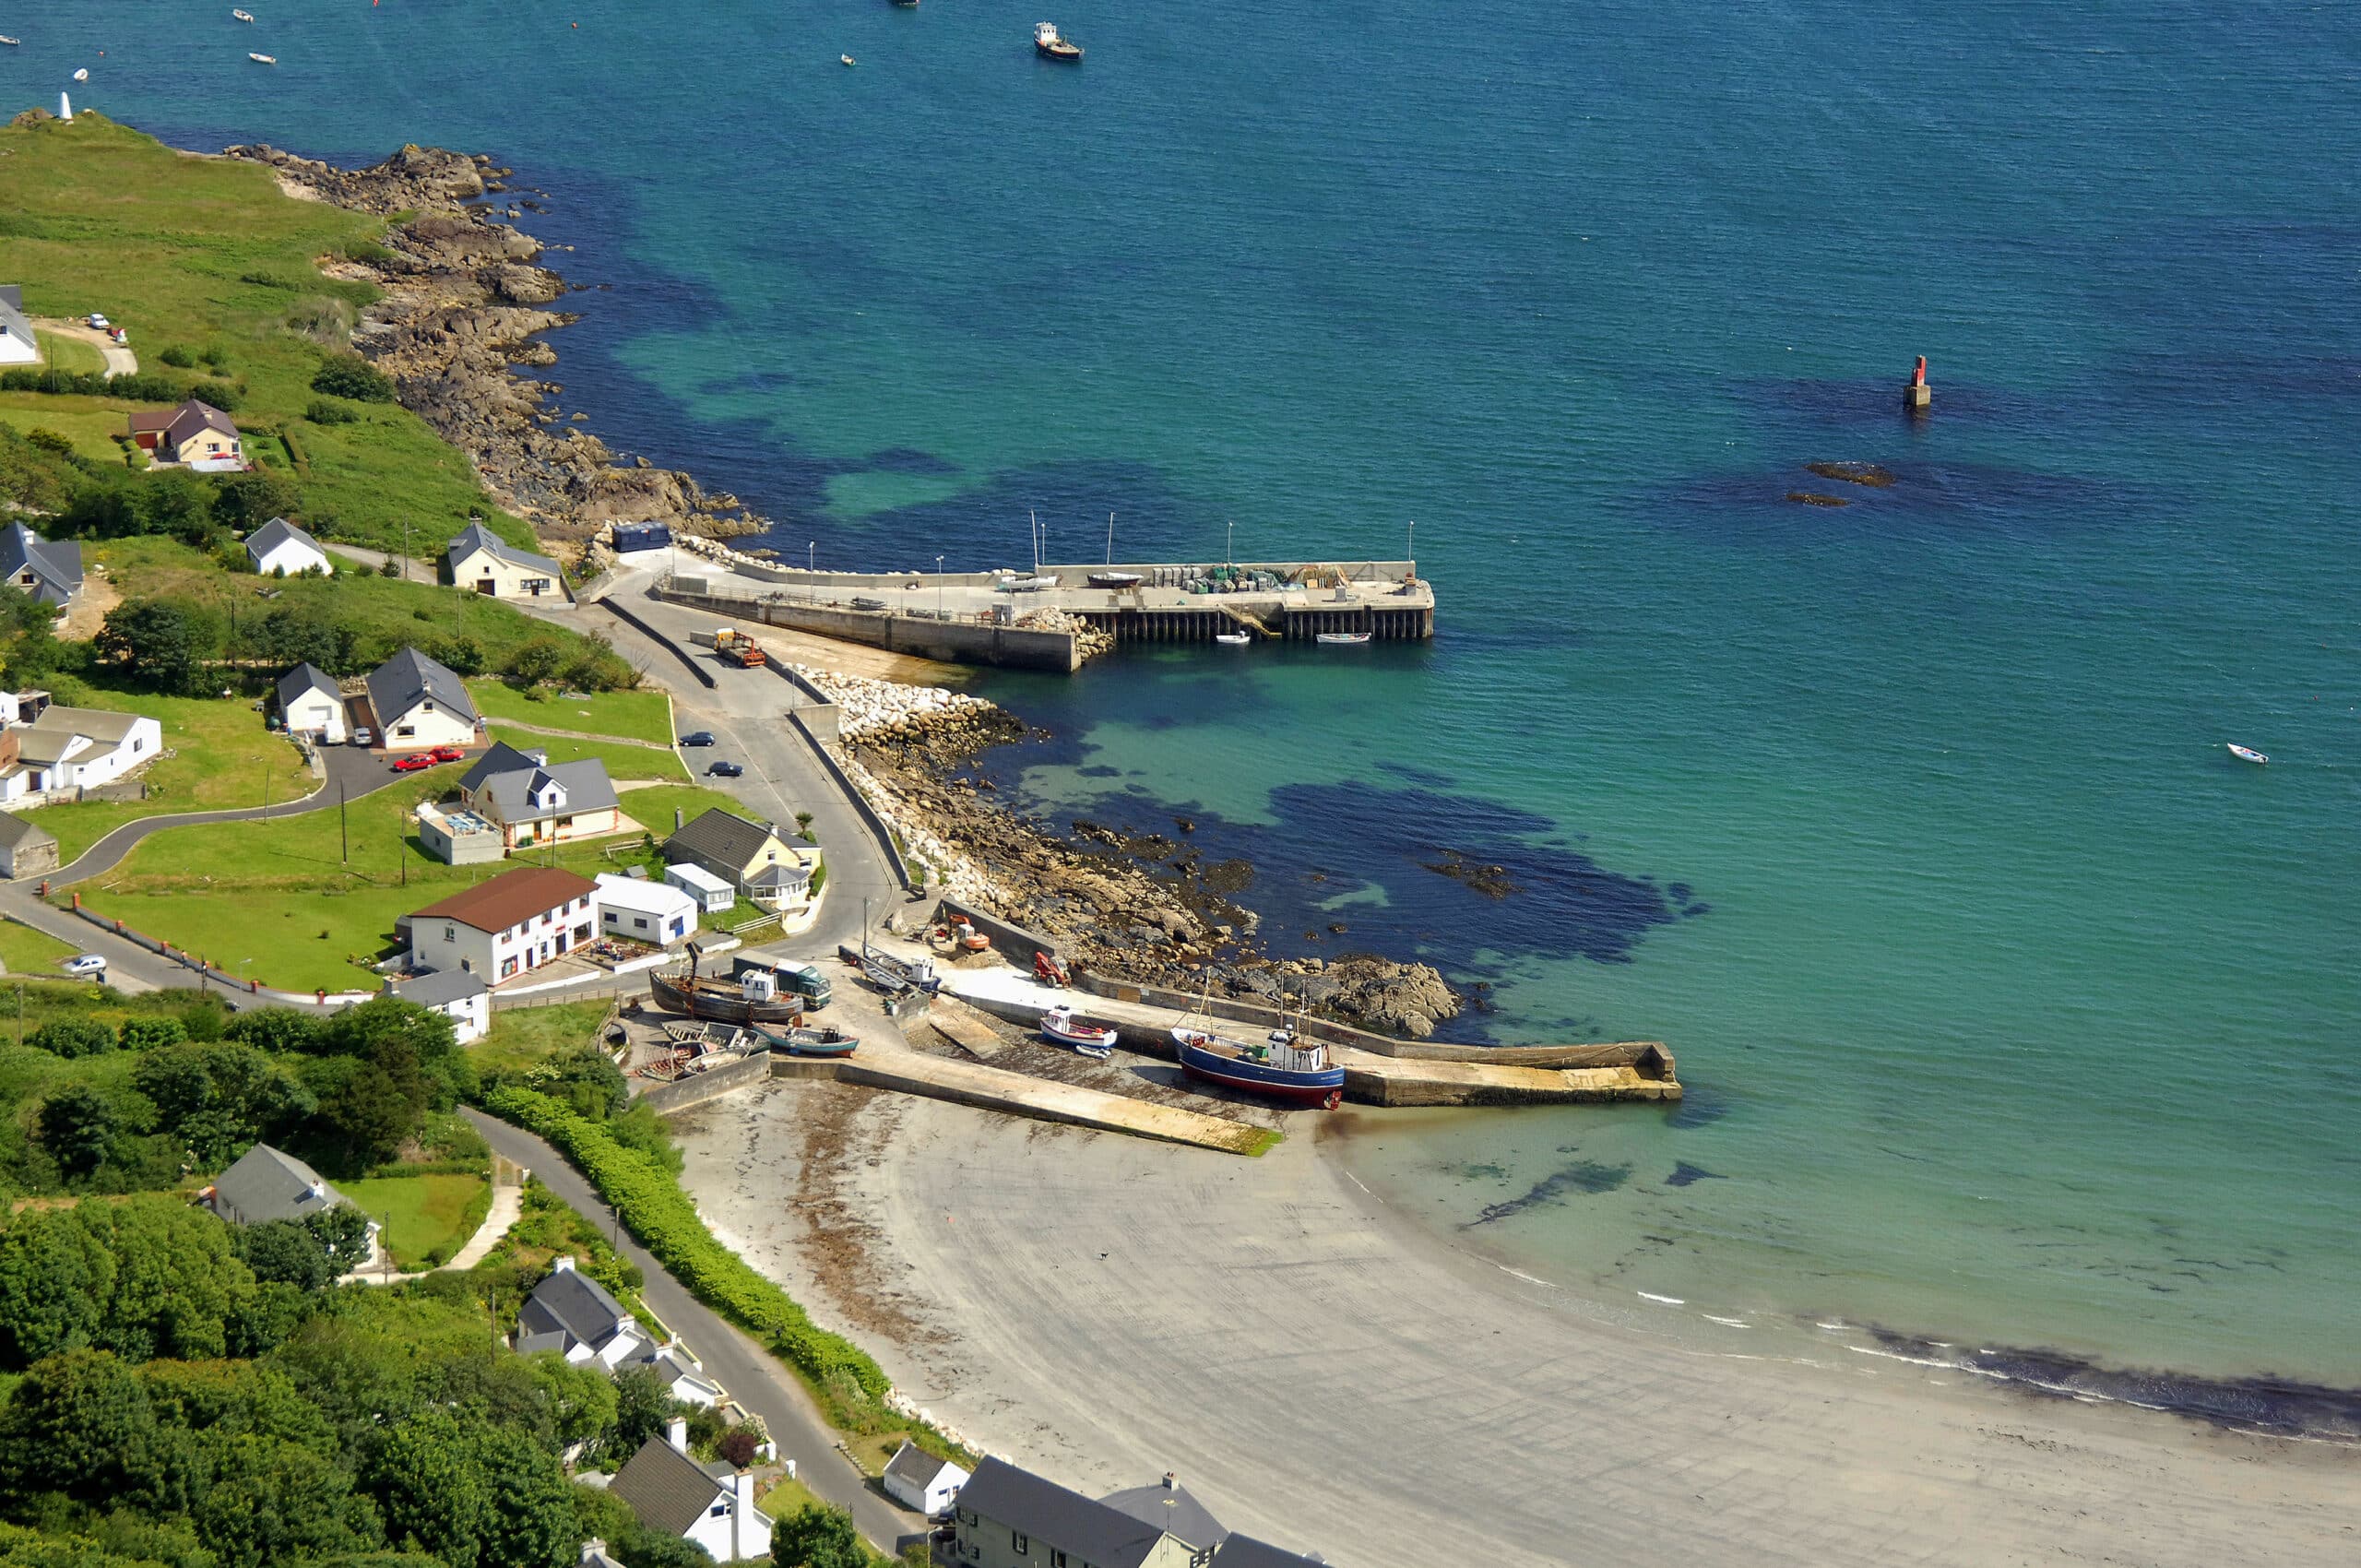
711 1084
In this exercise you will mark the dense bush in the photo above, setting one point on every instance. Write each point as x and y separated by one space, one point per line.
323 411
142 387
350 375
652 1204
51 441
178 358
72 1037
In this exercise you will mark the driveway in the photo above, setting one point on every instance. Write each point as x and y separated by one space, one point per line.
753 1376
120 361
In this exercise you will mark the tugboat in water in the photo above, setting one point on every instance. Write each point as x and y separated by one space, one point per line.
1050 46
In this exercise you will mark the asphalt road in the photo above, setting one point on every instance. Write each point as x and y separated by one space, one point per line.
753 1376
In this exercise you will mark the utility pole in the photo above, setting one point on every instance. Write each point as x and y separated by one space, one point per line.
1111 539
343 834
938 588
21 1012
1411 549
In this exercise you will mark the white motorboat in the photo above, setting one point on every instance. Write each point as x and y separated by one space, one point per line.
1233 640
244 15
846 58
261 59
1344 639
1088 1039
83 75
11 42
2246 754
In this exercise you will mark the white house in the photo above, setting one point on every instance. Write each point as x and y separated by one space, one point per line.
74 748
417 703
518 921
457 994
918 1481
643 910
309 704
279 546
50 571
482 562
712 894
710 1504
17 344
573 1314
533 801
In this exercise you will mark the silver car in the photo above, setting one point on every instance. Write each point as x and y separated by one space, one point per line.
87 963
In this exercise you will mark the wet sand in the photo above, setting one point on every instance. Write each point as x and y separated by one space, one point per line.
1328 1376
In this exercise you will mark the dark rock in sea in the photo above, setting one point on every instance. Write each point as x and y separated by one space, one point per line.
1869 474
1492 881
1184 825
1811 498
1685 1174
1582 1176
1337 928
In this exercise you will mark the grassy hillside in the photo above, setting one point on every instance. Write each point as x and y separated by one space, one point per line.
206 254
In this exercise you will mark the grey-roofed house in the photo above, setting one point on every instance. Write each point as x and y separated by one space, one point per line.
923 1481
311 704
533 801
279 546
1245 1551
712 1505
17 344
1012 1518
1173 1509
417 702
482 562
730 846
265 1184
575 1315
51 570
26 849
457 994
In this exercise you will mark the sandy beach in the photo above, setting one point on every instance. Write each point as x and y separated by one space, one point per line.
1328 1376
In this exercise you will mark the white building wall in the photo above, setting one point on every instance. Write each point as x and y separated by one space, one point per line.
292 554
316 713
103 765
425 725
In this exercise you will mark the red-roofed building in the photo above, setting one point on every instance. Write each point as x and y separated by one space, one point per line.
518 921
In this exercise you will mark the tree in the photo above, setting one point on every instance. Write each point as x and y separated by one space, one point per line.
293 634
535 663
640 1547
177 1282
150 1033
219 1098
285 1251
350 375
56 1273
78 1423
72 1036
177 504
475 1496
253 498
587 1079
239 1397
277 1030
643 1404
370 1114
581 1400
77 1123
817 1536
342 1233
155 642
264 1501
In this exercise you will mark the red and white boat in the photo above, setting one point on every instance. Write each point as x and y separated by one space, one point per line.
1060 1024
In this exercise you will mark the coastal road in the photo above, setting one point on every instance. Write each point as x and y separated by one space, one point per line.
753 1377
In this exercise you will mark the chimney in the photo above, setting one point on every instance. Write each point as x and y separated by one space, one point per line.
596 1546
676 1432
540 757
1167 1480
676 819
561 1266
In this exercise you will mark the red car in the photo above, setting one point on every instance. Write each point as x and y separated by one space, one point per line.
447 754
413 763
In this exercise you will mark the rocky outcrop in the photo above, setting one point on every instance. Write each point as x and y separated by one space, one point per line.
465 300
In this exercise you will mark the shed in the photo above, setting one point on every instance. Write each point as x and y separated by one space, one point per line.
921 1480
655 912
25 849
712 893
641 536
456 994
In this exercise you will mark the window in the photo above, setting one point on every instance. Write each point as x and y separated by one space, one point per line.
507 967
1018 1543
639 922
401 730
137 742
1057 1559
450 933
717 1510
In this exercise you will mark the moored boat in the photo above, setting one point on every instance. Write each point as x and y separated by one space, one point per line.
11 42
1233 640
1049 45
1284 1067
83 75
1060 1024
244 15
2246 754
1343 639
749 1000
821 1041
261 59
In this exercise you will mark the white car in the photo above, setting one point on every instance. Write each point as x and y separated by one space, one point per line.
87 963
101 322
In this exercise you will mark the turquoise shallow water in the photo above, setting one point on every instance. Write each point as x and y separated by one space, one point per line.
2010 1006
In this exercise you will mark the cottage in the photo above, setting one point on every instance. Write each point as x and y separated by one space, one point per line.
74 749
654 912
712 1505
532 800
49 570
518 921
310 704
416 702
714 894
278 546
265 1184
457 994
17 344
1011 1518
482 561
730 846
25 849
921 1480
195 435
574 1316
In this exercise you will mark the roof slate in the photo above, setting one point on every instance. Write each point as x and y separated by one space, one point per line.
15 832
276 532
439 988
56 563
265 1184
1067 1521
667 1489
1245 1551
410 678
719 838
571 1303
475 536
305 678
1173 1510
587 788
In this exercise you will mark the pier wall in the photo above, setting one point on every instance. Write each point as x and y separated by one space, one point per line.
950 641
711 1084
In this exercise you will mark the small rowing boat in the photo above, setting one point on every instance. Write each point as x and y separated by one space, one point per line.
11 42
261 59
846 58
1088 1039
2246 754
1343 639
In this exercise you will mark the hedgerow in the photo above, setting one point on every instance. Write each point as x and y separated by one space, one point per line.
652 1207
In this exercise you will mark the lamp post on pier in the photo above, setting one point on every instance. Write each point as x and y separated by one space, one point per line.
938 588
1228 530
1411 549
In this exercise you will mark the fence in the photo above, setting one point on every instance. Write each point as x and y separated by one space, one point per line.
704 676
958 642
877 825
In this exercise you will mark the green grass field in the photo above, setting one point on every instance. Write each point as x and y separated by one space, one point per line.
208 252
73 354
30 952
522 1036
91 424
645 717
427 1219
279 902
623 759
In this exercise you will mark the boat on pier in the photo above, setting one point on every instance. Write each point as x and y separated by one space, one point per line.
891 975
1284 1066
750 1000
825 1040
1088 1036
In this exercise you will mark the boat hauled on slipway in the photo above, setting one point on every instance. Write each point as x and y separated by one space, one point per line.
1284 1067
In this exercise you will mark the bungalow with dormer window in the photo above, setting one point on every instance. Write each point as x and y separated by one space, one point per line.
533 801
195 435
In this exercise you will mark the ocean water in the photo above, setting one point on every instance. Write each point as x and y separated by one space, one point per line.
2012 1011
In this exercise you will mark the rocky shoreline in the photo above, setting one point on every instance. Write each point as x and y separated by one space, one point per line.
1150 909
465 302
